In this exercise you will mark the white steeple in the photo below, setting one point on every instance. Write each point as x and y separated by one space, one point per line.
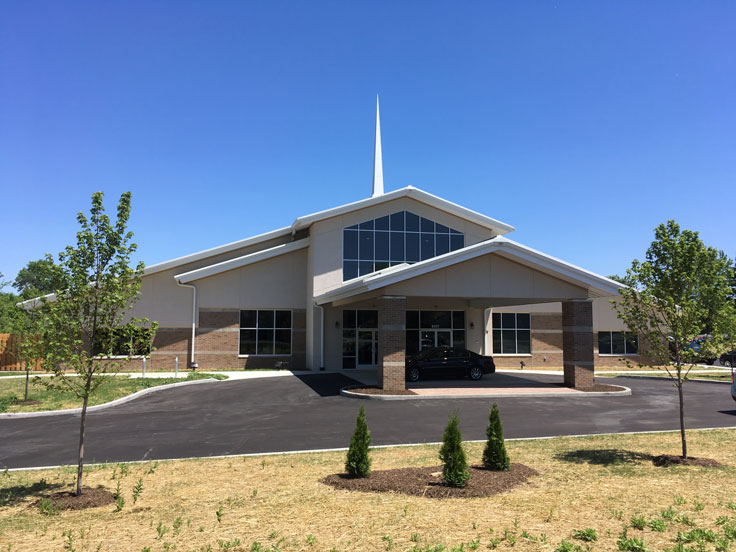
377 158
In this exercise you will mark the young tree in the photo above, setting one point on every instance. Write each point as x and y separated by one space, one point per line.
495 456
680 292
358 462
454 462
81 327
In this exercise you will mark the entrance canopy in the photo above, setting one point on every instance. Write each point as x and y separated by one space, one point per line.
496 272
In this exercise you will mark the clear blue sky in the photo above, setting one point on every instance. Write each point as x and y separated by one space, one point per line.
583 124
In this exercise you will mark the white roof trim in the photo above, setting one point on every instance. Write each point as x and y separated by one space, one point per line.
173 263
238 262
599 285
36 302
410 191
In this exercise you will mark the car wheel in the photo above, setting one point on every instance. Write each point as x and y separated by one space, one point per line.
475 373
413 374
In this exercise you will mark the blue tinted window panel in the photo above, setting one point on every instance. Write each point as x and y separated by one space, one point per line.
441 228
367 225
248 318
509 341
604 343
508 320
412 247
458 320
282 342
632 344
381 245
496 320
365 267
283 319
427 225
380 265
442 243
348 319
350 244
412 222
265 342
457 241
397 247
397 221
247 342
427 246
523 320
367 319
366 246
265 319
412 319
617 343
497 349
458 339
382 223
353 227
349 270
523 342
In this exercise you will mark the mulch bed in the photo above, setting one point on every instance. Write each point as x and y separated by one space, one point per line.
600 387
372 390
428 482
91 498
666 460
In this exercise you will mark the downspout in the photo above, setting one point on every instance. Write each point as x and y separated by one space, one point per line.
193 365
322 336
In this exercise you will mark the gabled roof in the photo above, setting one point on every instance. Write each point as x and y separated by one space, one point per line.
233 246
598 286
238 262
498 227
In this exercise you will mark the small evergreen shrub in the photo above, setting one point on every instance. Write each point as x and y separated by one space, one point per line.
495 456
455 464
358 463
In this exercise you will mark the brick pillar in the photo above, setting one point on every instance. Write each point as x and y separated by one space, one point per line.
391 342
577 343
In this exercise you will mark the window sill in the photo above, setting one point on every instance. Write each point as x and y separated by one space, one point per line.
511 354
265 356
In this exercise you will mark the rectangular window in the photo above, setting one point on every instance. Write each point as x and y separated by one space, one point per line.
353 321
265 332
617 343
511 333
431 328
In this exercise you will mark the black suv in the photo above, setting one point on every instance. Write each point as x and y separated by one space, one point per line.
448 361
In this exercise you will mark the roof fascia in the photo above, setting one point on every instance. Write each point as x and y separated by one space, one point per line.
239 262
415 193
173 263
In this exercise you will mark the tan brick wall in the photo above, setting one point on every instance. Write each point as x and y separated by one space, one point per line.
392 342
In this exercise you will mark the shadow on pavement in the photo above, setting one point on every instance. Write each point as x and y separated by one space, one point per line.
603 457
327 385
491 381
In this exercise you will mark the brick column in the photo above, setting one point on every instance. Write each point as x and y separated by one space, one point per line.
577 343
391 342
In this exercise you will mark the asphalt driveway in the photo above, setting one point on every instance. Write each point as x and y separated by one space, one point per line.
306 412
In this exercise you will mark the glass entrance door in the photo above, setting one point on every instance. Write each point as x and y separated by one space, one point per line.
367 348
435 338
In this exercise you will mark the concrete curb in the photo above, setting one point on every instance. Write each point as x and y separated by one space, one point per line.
346 392
116 402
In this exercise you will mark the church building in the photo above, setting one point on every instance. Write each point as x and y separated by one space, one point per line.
364 285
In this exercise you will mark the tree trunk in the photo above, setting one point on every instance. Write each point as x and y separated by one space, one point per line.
28 375
682 419
80 458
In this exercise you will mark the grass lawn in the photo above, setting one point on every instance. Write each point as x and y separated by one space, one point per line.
714 376
603 484
12 391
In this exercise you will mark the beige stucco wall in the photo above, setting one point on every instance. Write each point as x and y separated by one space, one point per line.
169 304
326 248
488 276
274 283
604 315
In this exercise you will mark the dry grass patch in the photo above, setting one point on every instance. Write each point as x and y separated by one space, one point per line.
279 501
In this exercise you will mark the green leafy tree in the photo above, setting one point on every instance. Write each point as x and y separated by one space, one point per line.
80 327
680 292
454 462
495 456
358 462
39 277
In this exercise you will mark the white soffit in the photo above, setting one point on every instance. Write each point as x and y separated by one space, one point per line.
415 193
238 262
598 286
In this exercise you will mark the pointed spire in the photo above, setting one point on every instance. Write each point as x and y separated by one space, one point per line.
377 158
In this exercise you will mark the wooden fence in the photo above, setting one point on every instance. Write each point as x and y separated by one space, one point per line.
9 359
